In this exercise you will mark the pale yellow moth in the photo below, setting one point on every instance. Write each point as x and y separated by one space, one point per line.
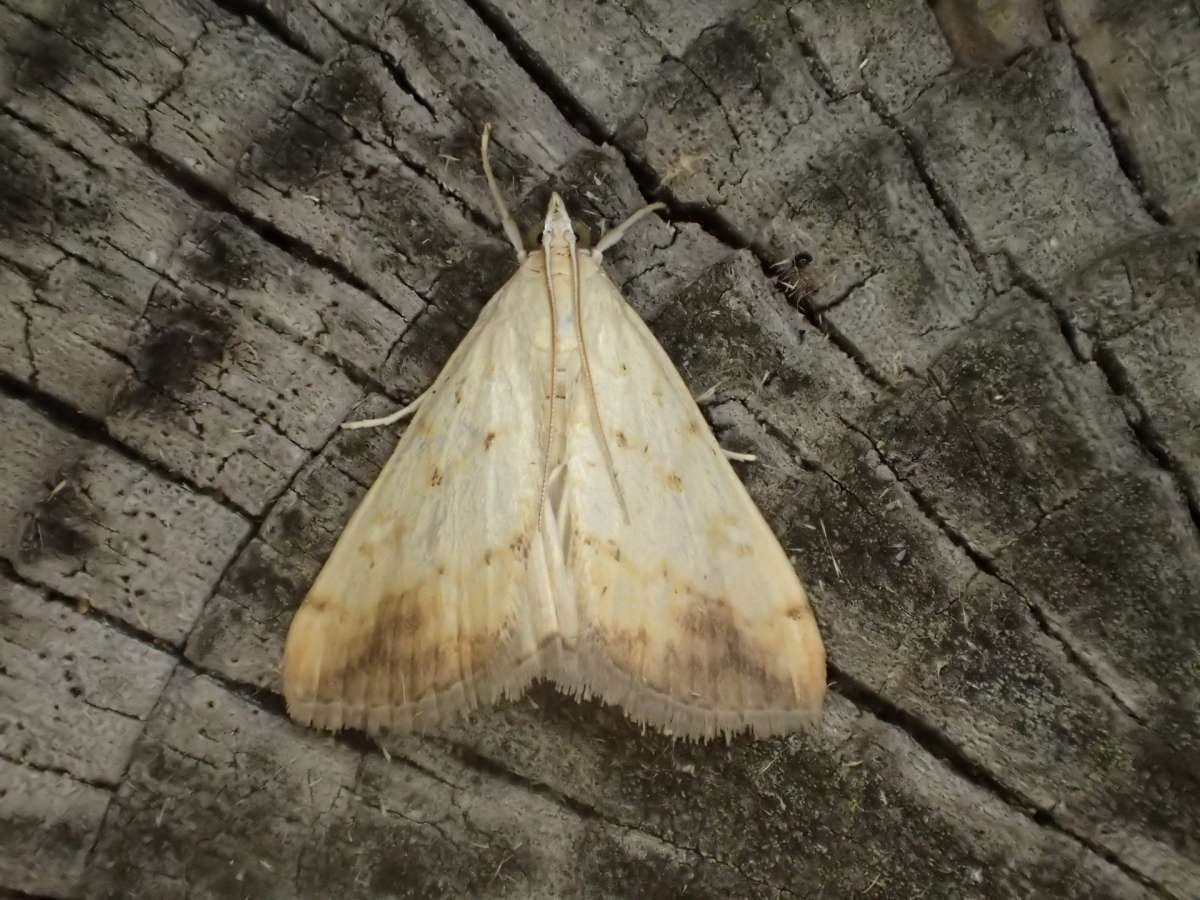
557 508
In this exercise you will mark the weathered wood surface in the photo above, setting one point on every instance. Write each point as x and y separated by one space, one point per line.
936 255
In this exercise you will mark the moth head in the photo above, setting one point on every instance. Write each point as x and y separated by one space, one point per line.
557 230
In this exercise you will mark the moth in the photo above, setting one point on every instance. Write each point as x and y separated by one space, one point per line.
557 508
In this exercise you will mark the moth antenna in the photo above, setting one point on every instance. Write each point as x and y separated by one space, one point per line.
591 385
553 376
506 219
611 237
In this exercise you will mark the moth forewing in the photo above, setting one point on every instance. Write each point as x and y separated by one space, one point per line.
426 600
692 616
555 511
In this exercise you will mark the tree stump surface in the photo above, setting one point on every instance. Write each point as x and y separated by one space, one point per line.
937 259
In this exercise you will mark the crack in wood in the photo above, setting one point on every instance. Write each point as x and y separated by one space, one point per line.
1121 148
1141 429
941 747
986 564
263 16
488 766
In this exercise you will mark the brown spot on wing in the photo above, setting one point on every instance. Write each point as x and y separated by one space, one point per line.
391 653
712 624
674 482
365 647
798 612
520 546
405 610
622 440
318 603
436 478
489 440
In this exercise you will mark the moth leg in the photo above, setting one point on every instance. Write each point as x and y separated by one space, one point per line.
708 395
506 219
611 237
388 419
739 457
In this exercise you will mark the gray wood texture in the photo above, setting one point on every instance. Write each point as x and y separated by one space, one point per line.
942 260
